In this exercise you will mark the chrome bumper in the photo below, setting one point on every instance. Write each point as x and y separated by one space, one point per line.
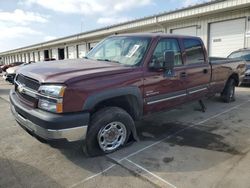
4 76
70 134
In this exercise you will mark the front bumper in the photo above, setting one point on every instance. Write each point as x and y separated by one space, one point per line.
49 126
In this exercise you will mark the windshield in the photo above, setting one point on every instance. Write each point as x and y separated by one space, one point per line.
244 55
125 50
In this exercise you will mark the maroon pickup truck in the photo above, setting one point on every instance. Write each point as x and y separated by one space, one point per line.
97 99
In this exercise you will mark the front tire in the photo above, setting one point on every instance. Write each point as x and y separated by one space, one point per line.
109 130
228 94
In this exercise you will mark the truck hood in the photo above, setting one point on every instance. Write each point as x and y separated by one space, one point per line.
66 71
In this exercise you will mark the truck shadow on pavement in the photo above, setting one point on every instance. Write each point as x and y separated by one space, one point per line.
193 136
16 174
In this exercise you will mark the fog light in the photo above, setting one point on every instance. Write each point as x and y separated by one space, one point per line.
47 105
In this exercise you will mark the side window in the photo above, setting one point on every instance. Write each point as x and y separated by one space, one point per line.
163 46
194 51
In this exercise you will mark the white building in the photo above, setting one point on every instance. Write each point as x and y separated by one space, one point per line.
224 26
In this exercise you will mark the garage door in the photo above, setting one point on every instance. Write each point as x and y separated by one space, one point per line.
41 55
32 56
27 58
36 56
82 50
226 37
72 52
190 31
19 57
55 53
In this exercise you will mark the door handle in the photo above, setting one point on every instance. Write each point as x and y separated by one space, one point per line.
183 74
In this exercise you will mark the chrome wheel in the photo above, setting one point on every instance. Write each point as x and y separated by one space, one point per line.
232 92
112 136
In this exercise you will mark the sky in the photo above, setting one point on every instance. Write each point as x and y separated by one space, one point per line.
26 22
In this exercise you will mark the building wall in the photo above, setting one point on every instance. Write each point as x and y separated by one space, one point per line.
203 23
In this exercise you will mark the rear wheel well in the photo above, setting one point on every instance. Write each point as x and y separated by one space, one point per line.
129 103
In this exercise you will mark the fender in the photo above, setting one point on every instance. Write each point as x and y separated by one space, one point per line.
94 99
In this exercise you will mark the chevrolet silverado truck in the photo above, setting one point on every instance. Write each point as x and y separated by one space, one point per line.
98 98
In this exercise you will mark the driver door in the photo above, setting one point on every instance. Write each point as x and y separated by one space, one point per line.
162 91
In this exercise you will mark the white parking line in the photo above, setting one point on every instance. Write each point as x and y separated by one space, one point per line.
4 99
154 175
91 177
155 143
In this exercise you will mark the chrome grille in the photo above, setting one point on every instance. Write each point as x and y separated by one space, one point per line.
28 98
28 82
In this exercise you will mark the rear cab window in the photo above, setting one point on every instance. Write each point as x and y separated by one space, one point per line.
194 51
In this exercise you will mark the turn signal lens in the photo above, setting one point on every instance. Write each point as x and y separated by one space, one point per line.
59 107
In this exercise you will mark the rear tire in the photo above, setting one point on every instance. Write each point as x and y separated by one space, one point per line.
228 94
108 131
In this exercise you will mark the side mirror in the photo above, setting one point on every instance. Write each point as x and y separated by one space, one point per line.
169 59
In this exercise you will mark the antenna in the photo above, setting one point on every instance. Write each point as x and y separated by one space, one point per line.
81 26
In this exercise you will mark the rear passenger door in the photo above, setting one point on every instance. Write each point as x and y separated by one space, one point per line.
198 70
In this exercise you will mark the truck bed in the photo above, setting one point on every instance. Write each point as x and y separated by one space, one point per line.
222 68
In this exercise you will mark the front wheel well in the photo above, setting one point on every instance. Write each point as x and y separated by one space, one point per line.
129 103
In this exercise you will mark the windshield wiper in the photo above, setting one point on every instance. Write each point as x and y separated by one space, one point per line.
108 60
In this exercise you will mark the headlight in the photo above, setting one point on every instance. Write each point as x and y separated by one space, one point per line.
52 90
51 98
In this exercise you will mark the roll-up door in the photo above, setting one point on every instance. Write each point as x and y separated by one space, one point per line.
72 52
226 37
82 50
55 53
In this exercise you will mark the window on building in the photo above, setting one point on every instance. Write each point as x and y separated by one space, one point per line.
194 51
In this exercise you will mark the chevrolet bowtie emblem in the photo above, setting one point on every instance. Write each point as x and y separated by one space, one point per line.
20 89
